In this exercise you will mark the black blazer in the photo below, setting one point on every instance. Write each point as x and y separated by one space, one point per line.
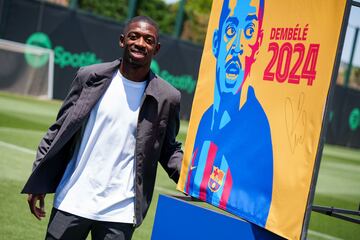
157 127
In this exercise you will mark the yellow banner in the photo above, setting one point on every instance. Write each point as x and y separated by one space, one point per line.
258 108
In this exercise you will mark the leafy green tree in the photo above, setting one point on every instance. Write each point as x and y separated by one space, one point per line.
356 76
195 22
115 9
197 13
163 14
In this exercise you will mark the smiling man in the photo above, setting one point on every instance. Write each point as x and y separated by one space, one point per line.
232 163
100 156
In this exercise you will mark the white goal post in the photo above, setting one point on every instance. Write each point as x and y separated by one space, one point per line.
26 69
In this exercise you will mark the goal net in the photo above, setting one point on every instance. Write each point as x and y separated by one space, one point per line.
26 69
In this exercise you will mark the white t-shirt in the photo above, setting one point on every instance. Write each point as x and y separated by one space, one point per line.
98 182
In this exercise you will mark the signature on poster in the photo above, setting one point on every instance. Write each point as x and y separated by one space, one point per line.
296 121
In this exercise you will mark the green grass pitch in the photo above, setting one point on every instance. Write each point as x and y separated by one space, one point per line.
24 120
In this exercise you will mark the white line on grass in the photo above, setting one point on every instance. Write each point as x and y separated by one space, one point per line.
17 148
20 130
322 235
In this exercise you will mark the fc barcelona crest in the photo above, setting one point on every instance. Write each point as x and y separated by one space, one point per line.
216 179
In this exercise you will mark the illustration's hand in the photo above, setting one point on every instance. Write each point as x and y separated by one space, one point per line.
38 212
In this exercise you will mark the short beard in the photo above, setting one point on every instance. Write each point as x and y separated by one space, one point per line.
136 64
132 62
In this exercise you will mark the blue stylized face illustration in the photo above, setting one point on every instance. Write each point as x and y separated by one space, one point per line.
231 167
235 43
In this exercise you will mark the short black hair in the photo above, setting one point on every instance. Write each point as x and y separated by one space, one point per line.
146 19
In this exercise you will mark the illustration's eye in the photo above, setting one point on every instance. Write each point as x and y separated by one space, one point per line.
230 31
249 30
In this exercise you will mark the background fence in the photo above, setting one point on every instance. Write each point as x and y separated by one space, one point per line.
79 38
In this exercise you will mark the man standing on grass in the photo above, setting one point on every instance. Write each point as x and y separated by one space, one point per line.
100 156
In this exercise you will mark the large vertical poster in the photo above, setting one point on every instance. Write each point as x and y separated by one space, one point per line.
258 108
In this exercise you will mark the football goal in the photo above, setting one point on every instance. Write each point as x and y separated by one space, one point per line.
26 69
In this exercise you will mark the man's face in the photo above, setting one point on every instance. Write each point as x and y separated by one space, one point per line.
140 43
234 44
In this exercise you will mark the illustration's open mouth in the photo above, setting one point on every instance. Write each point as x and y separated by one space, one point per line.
232 70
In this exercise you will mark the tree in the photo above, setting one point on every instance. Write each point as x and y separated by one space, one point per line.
162 13
196 14
115 9
197 18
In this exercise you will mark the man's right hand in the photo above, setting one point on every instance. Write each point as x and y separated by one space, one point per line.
38 212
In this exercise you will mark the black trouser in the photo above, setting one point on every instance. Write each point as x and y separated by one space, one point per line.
66 226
